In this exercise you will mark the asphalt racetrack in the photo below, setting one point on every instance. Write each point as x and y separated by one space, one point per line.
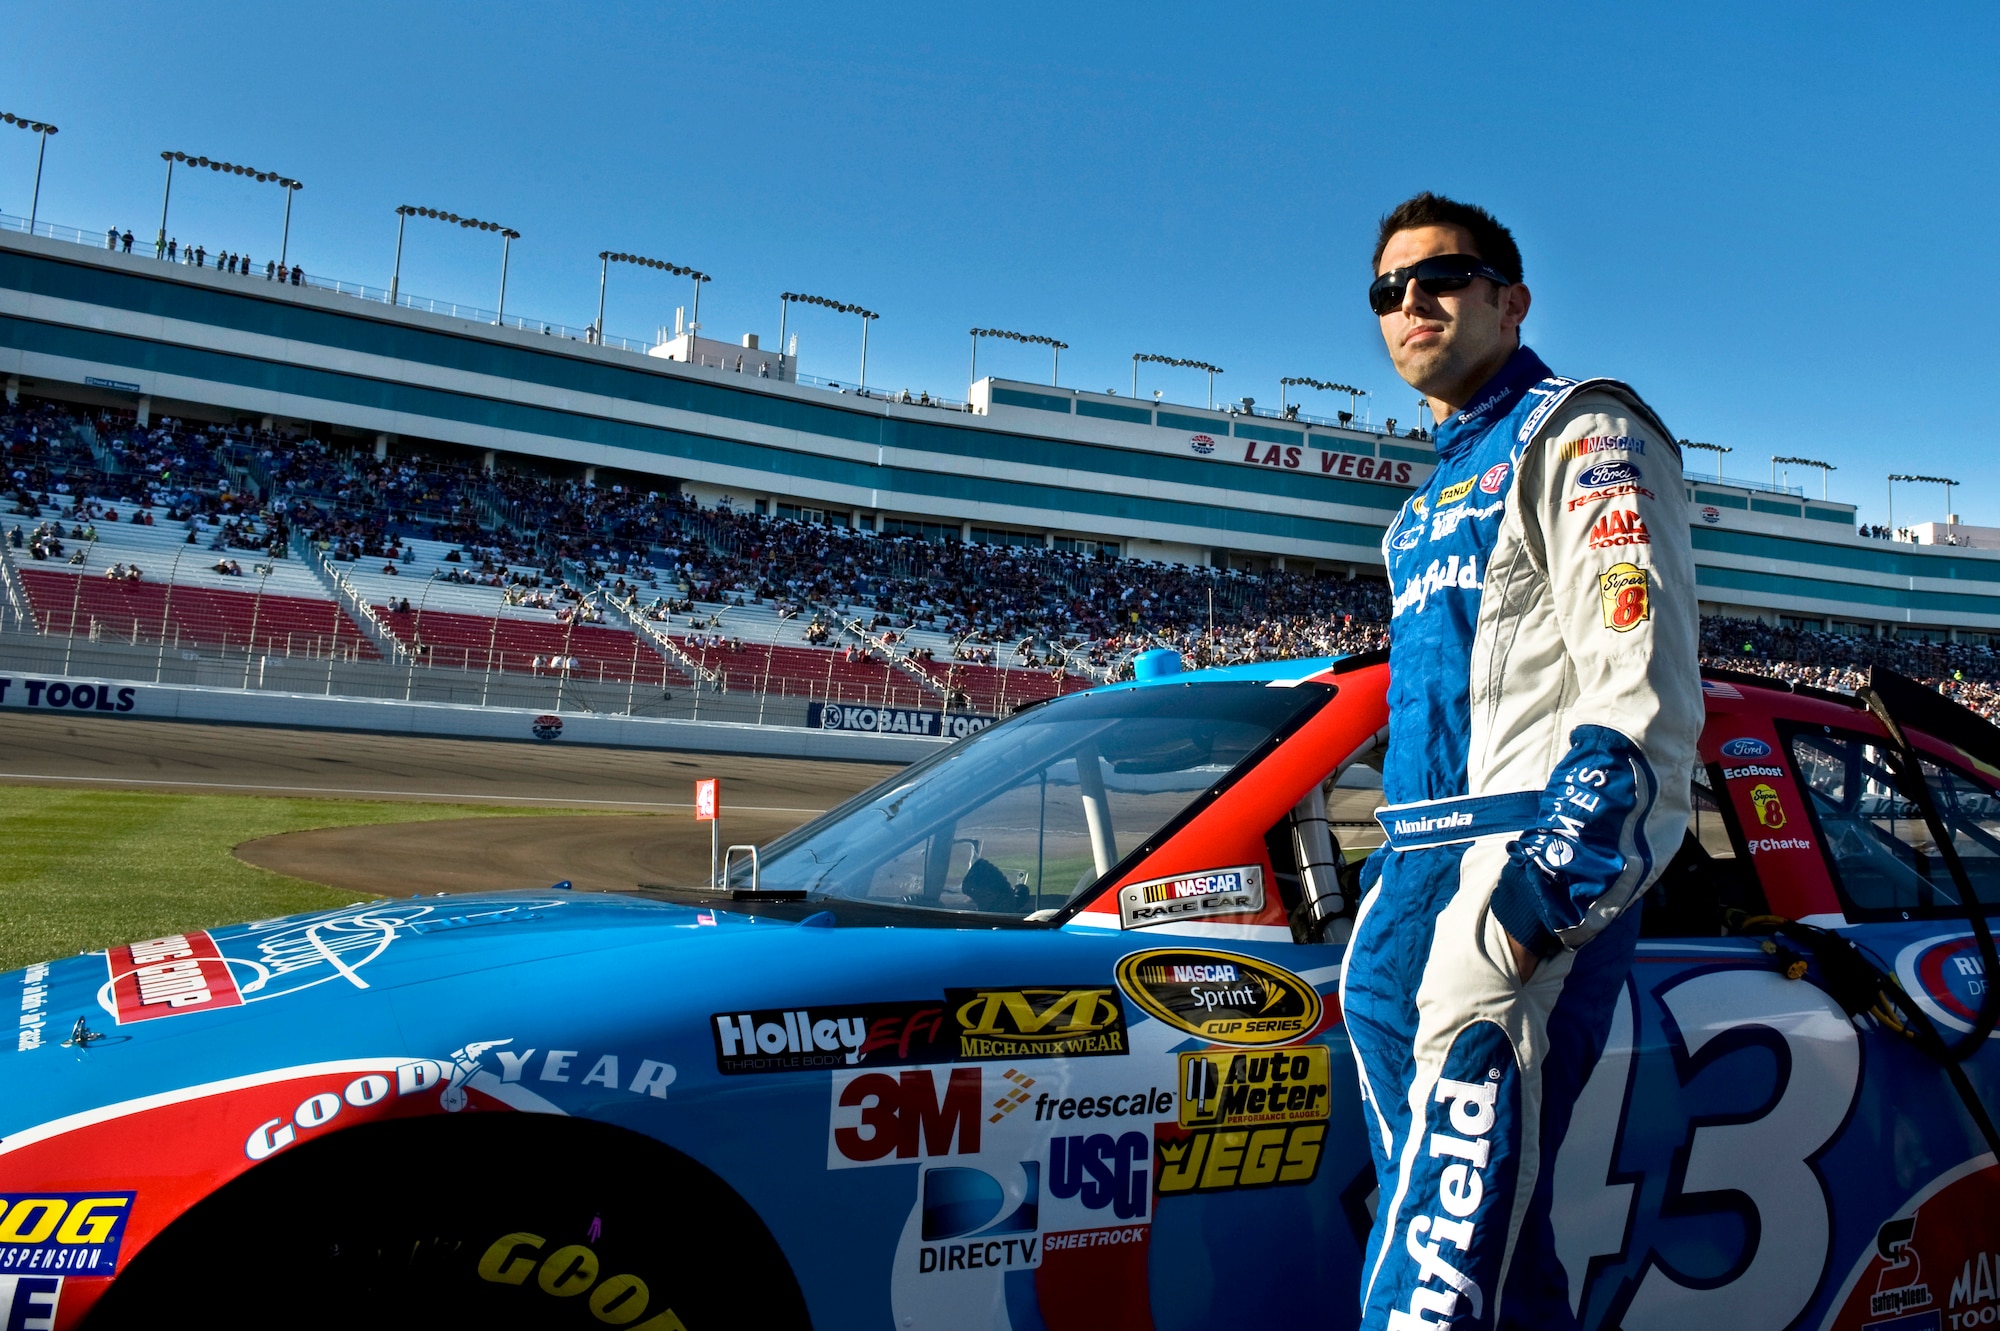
651 837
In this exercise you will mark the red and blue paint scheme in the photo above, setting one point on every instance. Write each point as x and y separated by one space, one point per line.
1039 1034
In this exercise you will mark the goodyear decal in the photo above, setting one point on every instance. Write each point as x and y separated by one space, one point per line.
1222 997
73 1233
1234 891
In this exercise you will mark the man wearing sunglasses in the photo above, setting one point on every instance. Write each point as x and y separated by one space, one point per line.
1544 704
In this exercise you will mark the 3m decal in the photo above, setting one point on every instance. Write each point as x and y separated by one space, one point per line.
1236 891
1608 492
162 976
29 1302
1044 1022
1225 1159
1604 443
1608 473
803 1039
1451 494
1746 747
1224 1089
569 1271
73 1233
1495 477
1222 997
1770 809
880 1119
1625 590
1621 526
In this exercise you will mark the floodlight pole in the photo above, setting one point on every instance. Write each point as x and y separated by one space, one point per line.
785 308
972 375
1135 374
396 279
506 249
166 198
603 275
864 352
34 208
285 246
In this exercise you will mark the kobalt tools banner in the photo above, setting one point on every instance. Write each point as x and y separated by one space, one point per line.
894 720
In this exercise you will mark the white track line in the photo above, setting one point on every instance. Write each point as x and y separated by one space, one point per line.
426 794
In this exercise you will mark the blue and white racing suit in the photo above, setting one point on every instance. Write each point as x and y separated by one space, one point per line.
1544 704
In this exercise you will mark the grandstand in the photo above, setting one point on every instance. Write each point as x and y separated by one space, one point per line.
297 473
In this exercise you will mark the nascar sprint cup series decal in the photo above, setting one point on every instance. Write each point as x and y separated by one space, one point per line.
1238 891
1221 996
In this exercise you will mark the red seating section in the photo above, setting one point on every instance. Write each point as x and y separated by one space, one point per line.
813 673
459 641
997 690
192 615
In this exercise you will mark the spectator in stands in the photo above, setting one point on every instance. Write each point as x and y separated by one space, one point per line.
201 256
173 248
127 239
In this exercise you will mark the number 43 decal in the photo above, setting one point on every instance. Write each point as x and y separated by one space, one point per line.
1725 1221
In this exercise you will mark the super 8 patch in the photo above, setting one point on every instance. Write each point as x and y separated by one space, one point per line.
1625 591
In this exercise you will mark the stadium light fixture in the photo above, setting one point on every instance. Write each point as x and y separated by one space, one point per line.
1717 449
44 129
404 212
1824 468
1304 381
1177 363
289 185
608 257
1056 348
1945 481
785 300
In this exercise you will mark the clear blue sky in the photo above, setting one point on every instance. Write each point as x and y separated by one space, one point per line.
1776 221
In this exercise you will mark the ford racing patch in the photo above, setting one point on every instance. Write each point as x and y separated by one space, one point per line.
1237 891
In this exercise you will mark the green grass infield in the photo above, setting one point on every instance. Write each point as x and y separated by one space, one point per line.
81 870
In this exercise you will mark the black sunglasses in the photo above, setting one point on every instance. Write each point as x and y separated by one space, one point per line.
1434 276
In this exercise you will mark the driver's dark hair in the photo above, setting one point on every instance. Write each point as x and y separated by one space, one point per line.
1490 240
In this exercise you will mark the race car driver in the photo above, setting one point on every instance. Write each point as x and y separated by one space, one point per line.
1544 704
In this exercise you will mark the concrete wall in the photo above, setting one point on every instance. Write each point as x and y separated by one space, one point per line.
180 702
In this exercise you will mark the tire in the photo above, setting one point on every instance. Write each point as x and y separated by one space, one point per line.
488 1220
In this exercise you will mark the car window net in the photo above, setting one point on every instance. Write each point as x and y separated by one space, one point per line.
1885 856
1020 818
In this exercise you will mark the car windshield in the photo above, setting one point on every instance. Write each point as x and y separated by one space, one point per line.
1020 818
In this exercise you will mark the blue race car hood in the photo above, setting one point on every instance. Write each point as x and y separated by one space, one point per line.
148 1016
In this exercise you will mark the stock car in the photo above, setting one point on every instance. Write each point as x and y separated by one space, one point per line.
1042 1032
